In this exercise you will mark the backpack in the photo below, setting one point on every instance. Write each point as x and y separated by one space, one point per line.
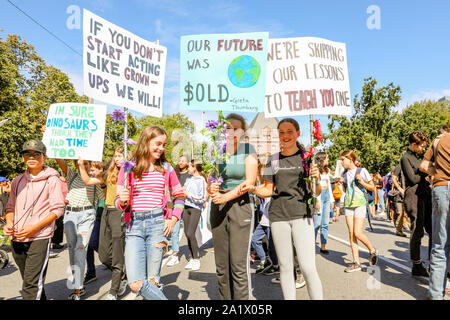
370 195
337 194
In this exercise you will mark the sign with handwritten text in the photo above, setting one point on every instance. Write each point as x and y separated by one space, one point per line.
121 68
223 72
75 129
307 76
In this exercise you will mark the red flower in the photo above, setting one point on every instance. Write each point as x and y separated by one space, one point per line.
309 153
317 131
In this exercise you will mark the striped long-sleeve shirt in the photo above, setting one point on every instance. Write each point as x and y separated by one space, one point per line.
148 193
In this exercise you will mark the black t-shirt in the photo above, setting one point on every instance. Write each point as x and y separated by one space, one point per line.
291 191
183 177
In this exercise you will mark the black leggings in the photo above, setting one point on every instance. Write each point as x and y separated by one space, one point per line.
191 216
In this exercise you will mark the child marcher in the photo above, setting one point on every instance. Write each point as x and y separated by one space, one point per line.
196 194
143 195
35 202
356 181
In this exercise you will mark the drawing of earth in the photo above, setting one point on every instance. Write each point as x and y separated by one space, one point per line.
244 71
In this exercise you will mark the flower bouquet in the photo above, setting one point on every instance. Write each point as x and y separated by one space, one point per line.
308 156
215 131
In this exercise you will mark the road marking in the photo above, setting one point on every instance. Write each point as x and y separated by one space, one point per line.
380 256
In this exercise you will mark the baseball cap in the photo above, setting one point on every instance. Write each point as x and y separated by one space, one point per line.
3 179
34 145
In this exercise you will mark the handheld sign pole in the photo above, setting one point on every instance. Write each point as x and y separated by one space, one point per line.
313 161
125 146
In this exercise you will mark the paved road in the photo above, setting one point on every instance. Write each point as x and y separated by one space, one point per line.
390 280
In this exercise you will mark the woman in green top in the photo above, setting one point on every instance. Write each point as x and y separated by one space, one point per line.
232 214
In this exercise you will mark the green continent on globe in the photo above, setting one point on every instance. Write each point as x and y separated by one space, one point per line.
244 71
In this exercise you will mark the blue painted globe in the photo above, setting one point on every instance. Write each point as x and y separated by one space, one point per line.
244 71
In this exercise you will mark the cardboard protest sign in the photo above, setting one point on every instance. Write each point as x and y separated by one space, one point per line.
121 68
223 72
75 129
307 76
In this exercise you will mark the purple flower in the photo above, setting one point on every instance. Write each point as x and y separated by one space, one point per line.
131 141
211 125
118 115
210 151
224 148
128 164
220 180
212 179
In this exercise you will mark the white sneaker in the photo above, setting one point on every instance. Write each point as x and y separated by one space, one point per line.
382 214
300 283
109 296
122 287
189 264
173 260
53 254
195 264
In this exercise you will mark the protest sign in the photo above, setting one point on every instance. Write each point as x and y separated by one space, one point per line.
75 129
223 72
307 76
121 68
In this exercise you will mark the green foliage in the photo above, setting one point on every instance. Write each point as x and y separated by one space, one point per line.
376 132
27 88
179 133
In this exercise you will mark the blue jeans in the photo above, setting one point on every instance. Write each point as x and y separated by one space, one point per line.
78 227
322 220
176 236
257 237
144 247
381 199
92 246
441 241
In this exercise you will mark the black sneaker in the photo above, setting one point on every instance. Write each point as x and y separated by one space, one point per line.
263 266
88 278
419 271
57 246
271 271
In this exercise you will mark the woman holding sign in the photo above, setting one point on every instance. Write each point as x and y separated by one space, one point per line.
143 196
290 210
232 214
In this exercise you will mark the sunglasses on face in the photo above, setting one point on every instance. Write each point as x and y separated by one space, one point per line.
30 154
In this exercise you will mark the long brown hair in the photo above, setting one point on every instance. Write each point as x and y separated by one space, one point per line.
349 154
297 128
198 165
142 152
113 170
320 158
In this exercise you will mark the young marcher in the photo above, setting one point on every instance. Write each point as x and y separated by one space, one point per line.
290 212
144 195
232 213
417 201
4 195
96 171
181 170
79 218
437 164
35 202
338 195
322 216
112 229
196 193
356 182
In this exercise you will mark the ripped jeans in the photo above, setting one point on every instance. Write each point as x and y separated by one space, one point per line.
144 248
78 227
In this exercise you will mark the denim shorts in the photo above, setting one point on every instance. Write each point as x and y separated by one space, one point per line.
143 254
358 212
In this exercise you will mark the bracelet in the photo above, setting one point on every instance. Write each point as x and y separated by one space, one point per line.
103 187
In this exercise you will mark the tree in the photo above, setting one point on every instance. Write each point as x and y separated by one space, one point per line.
27 88
114 137
372 131
426 116
179 133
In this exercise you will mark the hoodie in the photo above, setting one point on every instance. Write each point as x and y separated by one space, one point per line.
32 199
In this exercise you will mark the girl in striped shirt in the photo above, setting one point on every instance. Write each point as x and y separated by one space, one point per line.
143 195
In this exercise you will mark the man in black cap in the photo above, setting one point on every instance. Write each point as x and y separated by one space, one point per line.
35 202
